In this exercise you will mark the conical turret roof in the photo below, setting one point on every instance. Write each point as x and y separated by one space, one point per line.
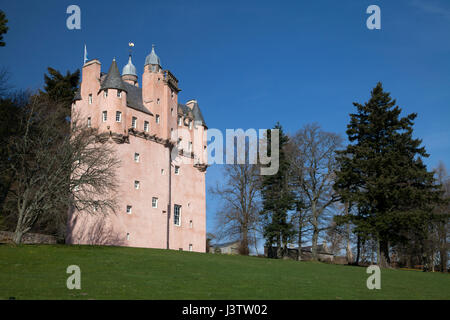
152 58
113 80
129 68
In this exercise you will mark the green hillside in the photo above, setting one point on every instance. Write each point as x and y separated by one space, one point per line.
39 272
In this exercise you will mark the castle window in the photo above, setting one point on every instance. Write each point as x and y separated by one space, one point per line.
137 184
128 236
177 170
190 146
136 157
171 111
190 247
134 122
171 94
157 101
146 126
118 116
180 120
129 209
119 93
157 118
89 122
177 215
190 124
190 224
162 172
105 116
105 93
95 206
90 98
154 202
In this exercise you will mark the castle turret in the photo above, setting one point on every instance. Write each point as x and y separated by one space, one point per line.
129 74
153 61
113 101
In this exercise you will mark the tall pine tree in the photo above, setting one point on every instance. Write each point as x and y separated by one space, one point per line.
382 173
278 199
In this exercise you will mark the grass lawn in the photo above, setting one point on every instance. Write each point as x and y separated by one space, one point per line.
39 272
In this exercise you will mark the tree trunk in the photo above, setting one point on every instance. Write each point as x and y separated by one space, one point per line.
18 235
243 250
315 238
349 253
358 249
299 252
384 259
279 253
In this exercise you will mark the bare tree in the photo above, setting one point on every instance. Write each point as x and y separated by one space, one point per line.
335 235
440 227
313 159
56 169
5 87
239 216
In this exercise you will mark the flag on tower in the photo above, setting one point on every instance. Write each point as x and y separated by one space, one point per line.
85 54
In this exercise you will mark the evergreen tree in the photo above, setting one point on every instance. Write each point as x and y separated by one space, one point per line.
382 173
278 199
3 27
61 88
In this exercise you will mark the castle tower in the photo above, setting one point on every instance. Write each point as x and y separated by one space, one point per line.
129 74
159 93
113 102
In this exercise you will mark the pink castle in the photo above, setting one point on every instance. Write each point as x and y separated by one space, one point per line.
162 200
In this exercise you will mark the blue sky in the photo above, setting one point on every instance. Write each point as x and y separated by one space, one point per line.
252 63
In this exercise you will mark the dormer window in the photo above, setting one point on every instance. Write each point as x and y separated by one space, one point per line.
118 116
134 122
105 93
105 116
146 126
119 93
157 118
90 98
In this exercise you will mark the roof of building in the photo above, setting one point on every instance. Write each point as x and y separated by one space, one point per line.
152 58
198 114
129 68
113 79
134 98
321 248
77 95
134 95
194 113
225 244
